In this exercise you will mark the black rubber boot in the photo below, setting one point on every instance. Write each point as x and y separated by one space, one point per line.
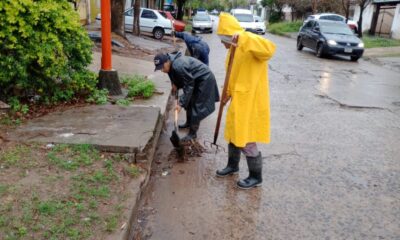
188 116
233 162
192 133
255 173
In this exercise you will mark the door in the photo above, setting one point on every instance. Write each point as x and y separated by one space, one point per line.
315 32
148 20
129 20
307 34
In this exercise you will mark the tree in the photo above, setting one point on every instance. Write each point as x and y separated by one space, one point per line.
180 4
363 4
136 18
75 3
117 17
346 8
276 7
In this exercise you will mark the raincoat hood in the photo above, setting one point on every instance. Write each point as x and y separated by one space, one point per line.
228 25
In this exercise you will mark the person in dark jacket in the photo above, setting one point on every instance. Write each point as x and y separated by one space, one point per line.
200 91
196 47
199 50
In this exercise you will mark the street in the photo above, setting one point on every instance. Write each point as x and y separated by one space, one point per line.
331 171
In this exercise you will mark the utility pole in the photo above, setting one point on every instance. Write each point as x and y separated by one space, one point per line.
108 77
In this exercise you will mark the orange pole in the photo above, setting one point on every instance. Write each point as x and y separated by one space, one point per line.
106 35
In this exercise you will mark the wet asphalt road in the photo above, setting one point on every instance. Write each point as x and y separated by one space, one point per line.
332 170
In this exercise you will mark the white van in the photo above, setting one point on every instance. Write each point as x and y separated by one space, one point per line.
245 18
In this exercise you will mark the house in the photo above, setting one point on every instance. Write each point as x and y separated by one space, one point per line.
381 18
83 8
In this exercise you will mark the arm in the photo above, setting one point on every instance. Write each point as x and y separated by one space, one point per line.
179 35
188 85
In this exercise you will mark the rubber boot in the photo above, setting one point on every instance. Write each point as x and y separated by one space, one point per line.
233 162
255 173
187 123
192 133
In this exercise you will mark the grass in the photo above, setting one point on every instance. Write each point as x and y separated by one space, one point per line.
281 28
85 200
188 27
375 42
138 86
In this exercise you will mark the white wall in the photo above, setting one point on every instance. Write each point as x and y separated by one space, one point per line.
367 16
396 23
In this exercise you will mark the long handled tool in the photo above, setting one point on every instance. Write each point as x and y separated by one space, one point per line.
175 140
224 91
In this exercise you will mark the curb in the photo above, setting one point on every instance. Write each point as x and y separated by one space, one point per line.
150 149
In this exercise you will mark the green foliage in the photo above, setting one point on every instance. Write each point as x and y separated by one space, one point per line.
98 96
123 102
284 27
139 86
14 156
43 51
374 42
72 157
16 106
133 171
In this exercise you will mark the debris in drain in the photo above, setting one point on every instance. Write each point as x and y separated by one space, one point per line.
165 173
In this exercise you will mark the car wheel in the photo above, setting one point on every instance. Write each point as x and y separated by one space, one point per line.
211 31
299 44
193 31
354 58
158 33
319 52
263 33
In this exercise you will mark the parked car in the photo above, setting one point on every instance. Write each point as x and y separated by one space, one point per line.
214 12
170 8
245 19
332 17
260 25
179 26
150 21
330 38
202 23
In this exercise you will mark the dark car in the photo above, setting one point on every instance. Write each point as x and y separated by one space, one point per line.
330 38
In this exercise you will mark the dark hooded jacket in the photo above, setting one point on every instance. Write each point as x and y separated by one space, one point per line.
197 48
199 86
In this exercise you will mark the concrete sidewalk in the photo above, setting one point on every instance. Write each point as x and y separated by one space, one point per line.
134 129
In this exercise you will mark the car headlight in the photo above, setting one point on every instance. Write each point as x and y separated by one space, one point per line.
361 45
332 42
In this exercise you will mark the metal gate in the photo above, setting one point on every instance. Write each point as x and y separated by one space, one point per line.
385 21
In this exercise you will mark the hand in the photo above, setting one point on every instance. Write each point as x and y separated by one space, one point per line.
174 89
235 37
225 100
178 108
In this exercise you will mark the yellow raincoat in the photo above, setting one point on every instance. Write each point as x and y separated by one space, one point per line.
248 117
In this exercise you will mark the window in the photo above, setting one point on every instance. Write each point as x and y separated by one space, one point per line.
149 14
309 25
129 13
163 14
332 18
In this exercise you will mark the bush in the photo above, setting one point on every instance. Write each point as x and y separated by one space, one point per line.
43 51
139 86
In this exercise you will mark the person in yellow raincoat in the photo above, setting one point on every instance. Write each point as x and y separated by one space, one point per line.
248 117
